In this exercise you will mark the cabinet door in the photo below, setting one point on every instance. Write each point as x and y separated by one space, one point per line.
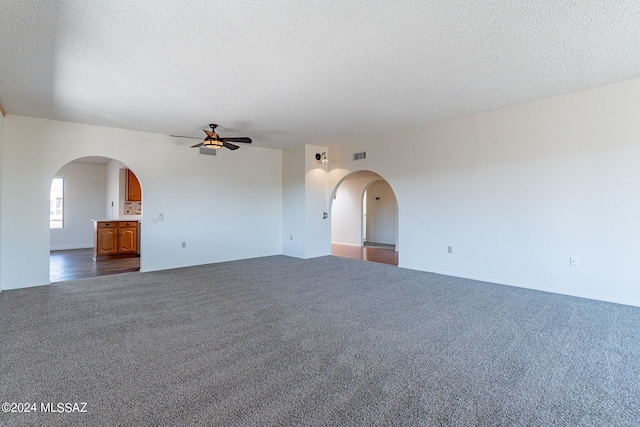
127 239
134 191
107 241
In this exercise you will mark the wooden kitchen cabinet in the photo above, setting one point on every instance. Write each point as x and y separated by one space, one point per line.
107 238
134 190
115 238
127 236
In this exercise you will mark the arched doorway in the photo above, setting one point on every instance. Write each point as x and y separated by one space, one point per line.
86 192
364 219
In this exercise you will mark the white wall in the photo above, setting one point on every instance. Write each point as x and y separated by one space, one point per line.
1 185
226 207
382 213
317 229
84 195
293 201
518 191
114 199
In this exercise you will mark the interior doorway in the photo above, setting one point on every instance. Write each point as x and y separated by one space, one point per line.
364 219
84 192
380 216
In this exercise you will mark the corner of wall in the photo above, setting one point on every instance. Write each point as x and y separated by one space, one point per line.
293 202
305 232
112 190
317 226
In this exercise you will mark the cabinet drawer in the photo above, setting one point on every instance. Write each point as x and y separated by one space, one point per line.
128 224
109 224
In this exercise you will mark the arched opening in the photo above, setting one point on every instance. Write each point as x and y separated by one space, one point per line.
95 203
364 219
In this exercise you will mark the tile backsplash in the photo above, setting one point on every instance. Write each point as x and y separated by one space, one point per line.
132 208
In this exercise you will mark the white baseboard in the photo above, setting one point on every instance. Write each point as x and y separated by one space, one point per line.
66 248
596 297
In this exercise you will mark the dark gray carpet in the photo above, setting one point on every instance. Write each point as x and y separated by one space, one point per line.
326 341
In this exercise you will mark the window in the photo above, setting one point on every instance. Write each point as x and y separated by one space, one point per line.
56 203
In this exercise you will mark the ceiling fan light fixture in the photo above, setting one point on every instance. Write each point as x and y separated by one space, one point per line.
212 143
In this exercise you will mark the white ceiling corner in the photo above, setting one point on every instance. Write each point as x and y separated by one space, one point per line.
287 72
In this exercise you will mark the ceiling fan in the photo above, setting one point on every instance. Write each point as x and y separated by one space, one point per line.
214 141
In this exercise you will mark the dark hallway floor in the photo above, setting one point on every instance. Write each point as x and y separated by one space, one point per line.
385 255
78 263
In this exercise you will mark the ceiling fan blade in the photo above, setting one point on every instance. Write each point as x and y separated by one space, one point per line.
243 139
230 146
210 134
198 145
188 137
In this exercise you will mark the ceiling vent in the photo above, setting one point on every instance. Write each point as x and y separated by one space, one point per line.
359 156
208 151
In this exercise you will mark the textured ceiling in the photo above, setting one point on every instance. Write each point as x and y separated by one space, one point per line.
293 72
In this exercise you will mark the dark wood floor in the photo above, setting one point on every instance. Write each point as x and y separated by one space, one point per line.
374 254
78 264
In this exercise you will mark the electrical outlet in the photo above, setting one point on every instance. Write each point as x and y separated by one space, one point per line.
184 244
160 217
450 249
574 261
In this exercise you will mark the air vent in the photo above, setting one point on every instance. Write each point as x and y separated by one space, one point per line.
208 151
360 156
